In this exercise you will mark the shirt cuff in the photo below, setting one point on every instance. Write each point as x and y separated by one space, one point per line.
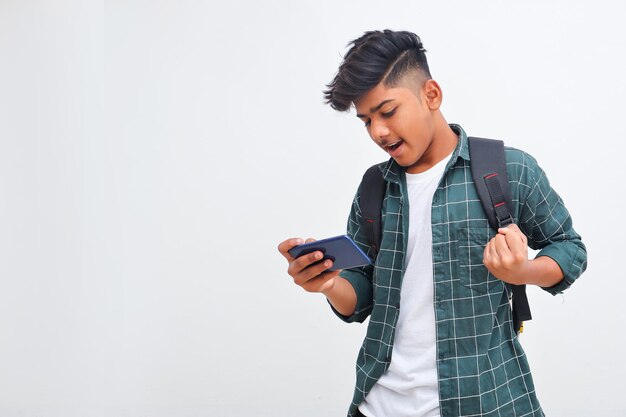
571 259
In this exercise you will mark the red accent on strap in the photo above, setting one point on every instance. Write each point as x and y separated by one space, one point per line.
495 174
369 220
499 204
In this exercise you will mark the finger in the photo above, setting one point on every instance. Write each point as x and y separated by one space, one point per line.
312 272
322 282
510 228
283 247
515 241
309 240
493 252
487 254
303 262
490 257
513 230
501 246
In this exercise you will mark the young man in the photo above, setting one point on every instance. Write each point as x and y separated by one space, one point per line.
440 339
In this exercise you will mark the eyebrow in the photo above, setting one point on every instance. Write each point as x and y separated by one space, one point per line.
376 108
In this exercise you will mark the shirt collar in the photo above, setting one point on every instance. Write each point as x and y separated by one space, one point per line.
462 148
393 172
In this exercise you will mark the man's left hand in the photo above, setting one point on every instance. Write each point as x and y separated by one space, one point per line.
506 255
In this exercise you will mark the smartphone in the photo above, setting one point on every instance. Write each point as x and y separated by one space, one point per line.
340 249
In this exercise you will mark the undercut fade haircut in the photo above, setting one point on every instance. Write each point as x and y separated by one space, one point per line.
374 57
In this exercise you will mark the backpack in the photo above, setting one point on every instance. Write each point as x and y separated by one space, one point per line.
492 184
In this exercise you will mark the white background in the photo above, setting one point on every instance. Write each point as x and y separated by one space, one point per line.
154 153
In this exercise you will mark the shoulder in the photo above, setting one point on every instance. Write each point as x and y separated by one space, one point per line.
517 156
520 164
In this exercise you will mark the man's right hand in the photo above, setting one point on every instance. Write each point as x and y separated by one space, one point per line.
313 278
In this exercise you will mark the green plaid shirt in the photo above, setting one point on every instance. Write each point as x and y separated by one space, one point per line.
482 369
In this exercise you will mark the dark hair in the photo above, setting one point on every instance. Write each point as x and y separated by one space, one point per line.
374 57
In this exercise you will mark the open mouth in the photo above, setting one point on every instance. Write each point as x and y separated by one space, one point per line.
393 146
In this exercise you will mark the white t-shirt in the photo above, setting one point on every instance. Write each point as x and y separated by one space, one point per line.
409 388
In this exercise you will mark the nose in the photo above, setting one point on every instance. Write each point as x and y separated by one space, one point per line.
379 131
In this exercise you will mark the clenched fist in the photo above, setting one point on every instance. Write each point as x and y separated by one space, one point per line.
506 255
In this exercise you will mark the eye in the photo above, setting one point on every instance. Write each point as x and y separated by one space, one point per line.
389 113
367 123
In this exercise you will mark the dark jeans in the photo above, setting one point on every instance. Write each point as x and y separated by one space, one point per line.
358 413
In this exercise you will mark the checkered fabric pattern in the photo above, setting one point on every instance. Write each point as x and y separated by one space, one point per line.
482 368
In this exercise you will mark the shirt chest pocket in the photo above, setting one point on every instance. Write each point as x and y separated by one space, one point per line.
472 272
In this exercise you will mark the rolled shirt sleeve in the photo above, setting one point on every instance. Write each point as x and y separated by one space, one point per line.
548 226
360 278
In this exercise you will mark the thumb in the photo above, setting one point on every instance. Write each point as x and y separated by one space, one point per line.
512 230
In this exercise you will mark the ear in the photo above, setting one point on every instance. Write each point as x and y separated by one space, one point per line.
433 94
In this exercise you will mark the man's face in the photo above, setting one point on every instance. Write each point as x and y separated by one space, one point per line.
399 120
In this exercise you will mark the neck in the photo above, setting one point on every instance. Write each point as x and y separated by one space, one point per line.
443 143
445 139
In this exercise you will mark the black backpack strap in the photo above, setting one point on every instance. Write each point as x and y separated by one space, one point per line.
521 308
491 180
372 193
492 184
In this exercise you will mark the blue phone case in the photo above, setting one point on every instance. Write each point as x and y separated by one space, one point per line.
340 249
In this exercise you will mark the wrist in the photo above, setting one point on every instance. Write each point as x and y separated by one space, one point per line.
541 271
341 295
